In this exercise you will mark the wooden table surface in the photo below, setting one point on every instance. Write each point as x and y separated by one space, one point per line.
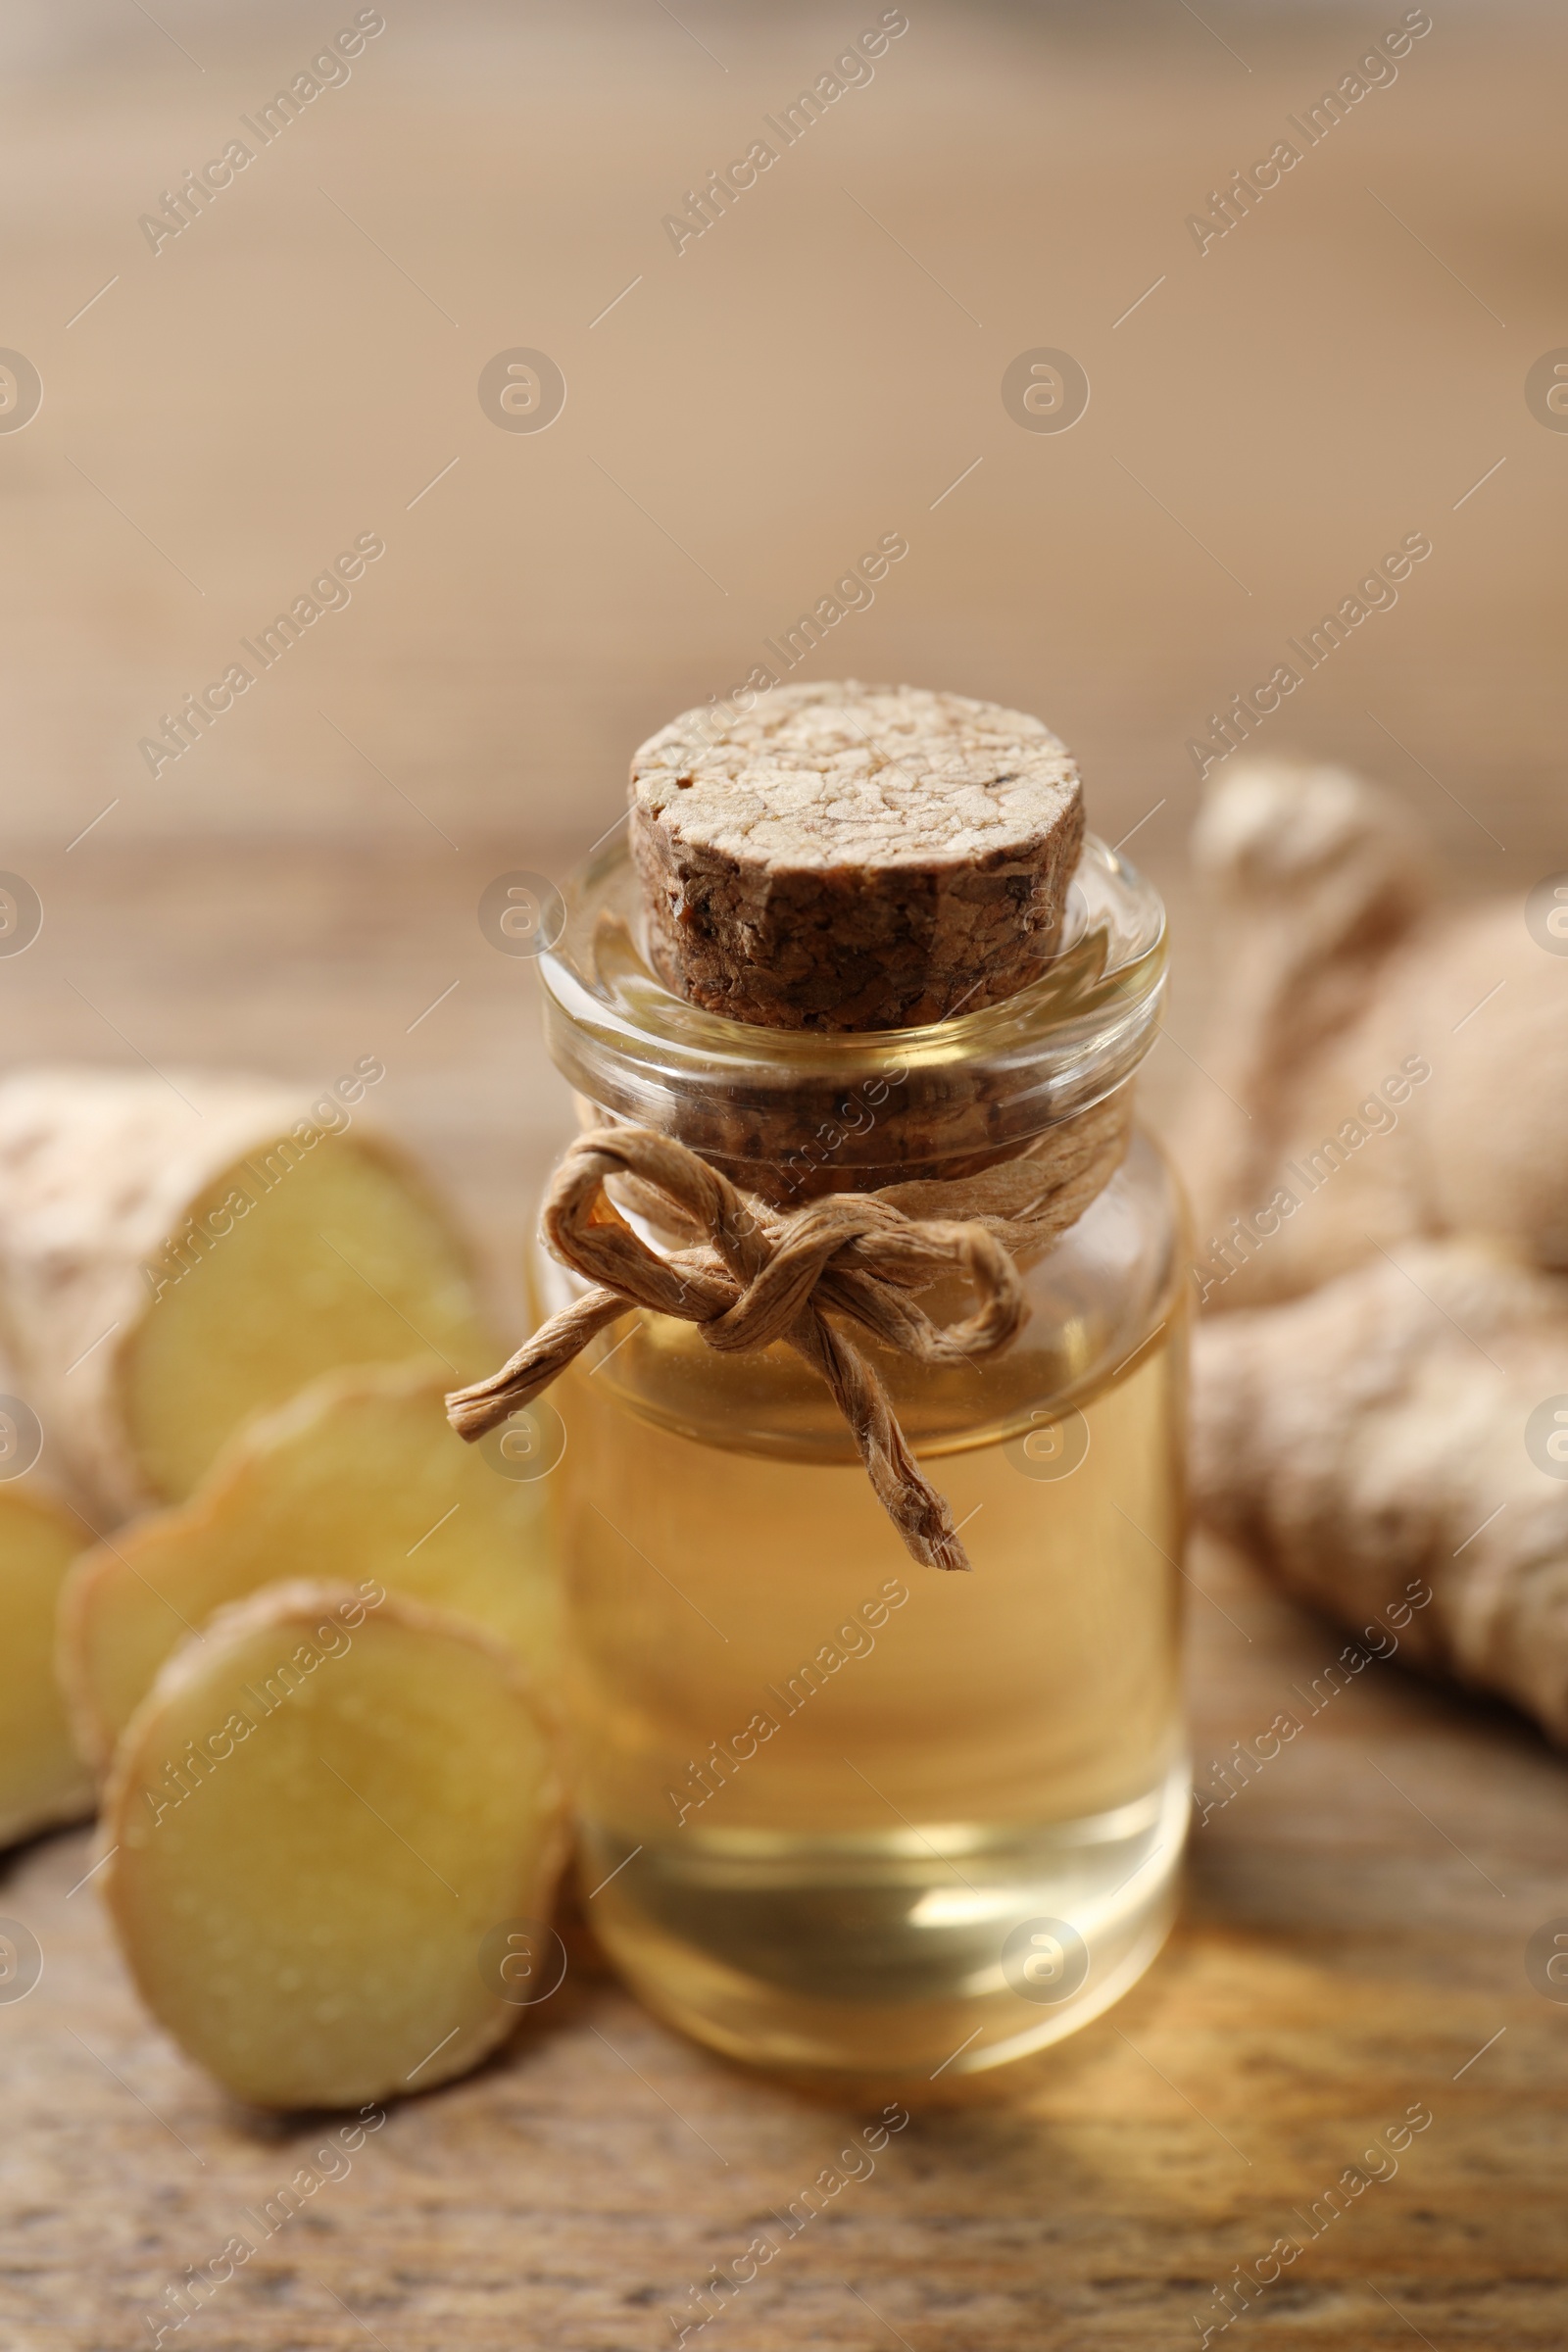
300 890
1351 1943
1352 1947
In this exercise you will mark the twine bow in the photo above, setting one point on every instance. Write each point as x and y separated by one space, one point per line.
764 1274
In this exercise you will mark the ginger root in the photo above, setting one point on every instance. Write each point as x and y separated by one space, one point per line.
1377 1066
173 1256
1391 1435
43 1782
359 1476
319 1821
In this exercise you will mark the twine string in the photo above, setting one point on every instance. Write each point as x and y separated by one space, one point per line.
761 1275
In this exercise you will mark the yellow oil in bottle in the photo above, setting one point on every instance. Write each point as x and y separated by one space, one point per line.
841 1813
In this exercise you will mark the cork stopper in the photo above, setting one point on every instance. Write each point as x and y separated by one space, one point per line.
854 857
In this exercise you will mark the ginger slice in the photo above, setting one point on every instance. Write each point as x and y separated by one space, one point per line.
44 1780
174 1256
359 1476
316 1819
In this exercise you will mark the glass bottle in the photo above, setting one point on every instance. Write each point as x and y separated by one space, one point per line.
840 1813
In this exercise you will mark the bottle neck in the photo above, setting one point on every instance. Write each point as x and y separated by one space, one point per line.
792 1115
797 1162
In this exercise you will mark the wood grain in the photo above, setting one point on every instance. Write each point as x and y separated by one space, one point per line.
1352 1938
302 890
1353 1934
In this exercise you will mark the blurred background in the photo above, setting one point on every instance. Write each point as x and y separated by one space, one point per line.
230 401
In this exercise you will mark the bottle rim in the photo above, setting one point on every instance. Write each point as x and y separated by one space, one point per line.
737 1091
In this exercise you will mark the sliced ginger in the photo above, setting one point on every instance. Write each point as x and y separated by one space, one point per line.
42 1778
174 1257
359 1476
343 1264
316 1819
